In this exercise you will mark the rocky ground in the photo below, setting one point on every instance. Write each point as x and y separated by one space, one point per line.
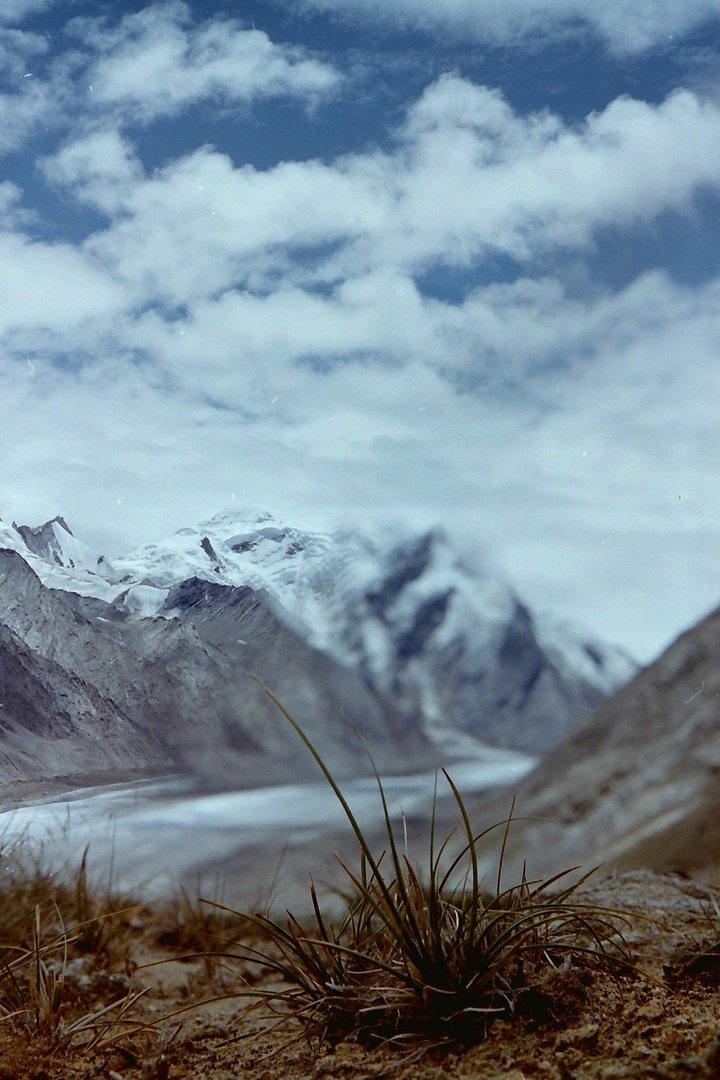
658 1019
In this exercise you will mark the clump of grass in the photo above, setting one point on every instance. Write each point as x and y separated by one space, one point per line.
193 926
431 963
702 959
44 926
32 981
34 996
97 917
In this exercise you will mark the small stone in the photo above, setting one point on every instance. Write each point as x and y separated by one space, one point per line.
585 1036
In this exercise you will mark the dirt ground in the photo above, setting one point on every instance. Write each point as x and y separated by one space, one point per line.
661 1020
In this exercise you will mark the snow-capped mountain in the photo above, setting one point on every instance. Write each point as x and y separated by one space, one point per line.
451 648
59 559
449 645
88 688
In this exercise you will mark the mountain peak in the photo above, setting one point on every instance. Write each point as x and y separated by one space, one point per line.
232 516
441 637
58 520
57 556
38 530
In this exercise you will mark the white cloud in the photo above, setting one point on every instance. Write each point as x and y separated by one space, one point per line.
235 222
155 63
575 488
14 11
17 51
313 263
627 28
38 92
480 176
243 350
13 215
23 113
470 177
51 287
100 168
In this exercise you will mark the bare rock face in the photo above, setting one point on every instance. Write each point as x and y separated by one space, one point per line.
43 540
175 689
250 631
639 783
52 722
460 650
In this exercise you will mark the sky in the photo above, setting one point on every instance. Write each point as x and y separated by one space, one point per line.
447 262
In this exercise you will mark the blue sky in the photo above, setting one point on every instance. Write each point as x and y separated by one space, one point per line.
413 260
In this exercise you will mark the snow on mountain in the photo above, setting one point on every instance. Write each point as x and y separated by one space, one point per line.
575 651
237 548
87 687
449 645
316 576
60 560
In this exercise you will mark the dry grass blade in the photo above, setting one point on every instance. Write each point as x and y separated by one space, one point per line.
39 997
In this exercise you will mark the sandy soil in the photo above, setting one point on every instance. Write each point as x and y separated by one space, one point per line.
660 1021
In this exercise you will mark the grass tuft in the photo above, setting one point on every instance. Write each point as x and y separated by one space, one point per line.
701 960
46 929
428 963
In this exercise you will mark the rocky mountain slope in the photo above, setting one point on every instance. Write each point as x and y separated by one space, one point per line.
86 683
638 784
53 722
450 645
394 633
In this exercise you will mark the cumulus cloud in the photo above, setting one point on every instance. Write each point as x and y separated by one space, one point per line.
17 50
37 88
156 62
627 28
13 215
233 278
201 225
51 287
482 177
233 331
469 178
101 169
23 112
150 65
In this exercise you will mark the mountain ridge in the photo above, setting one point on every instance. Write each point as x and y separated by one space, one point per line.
175 687
393 631
637 784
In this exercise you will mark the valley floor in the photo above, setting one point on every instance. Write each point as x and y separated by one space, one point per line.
15 793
